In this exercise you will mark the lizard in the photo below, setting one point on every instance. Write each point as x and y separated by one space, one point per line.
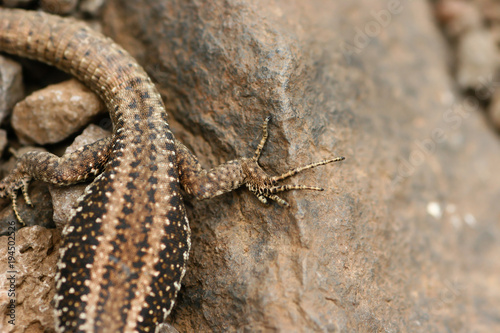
125 248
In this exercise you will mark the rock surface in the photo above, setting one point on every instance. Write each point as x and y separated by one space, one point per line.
405 237
365 79
473 28
36 253
91 7
11 86
459 16
52 114
478 58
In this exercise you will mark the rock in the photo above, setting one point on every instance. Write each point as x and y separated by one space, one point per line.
364 79
65 197
478 58
490 10
11 86
459 16
92 7
36 254
60 7
52 114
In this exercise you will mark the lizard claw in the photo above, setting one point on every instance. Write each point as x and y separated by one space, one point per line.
264 186
9 187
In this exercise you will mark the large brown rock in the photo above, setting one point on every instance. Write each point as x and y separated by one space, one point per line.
28 278
52 114
11 86
405 237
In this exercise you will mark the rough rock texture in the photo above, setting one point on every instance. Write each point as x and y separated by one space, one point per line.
52 114
11 85
36 254
473 29
406 236
365 79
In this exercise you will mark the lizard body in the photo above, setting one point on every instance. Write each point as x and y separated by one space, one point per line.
125 249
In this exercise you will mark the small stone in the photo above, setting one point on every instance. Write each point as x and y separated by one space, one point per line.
60 7
458 16
91 7
166 328
64 198
52 114
477 58
11 85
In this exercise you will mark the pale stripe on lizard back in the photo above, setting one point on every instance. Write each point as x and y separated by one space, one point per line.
125 250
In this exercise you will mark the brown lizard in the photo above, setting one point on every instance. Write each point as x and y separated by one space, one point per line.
125 249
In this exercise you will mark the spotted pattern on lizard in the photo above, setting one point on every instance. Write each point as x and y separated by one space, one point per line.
125 248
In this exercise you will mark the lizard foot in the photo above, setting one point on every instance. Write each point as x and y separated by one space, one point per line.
266 187
11 184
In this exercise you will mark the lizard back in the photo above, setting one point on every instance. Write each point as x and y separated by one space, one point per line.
124 251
